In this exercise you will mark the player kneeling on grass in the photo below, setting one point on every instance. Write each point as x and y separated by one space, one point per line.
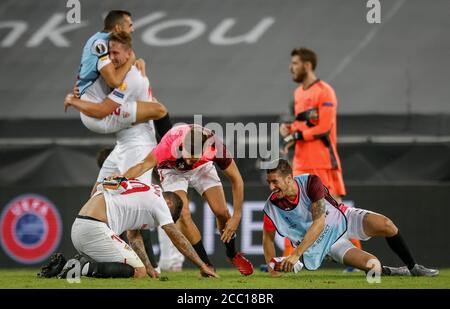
131 206
301 209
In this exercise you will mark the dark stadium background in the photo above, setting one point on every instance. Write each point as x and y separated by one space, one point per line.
391 81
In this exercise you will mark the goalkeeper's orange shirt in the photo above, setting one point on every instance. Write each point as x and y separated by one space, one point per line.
317 150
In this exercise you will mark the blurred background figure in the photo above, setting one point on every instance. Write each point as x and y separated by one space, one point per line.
313 131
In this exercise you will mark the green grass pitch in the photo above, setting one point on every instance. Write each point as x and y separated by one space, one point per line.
229 279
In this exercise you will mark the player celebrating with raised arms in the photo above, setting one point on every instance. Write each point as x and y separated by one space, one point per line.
185 157
301 209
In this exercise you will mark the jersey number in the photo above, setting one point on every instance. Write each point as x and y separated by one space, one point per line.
137 186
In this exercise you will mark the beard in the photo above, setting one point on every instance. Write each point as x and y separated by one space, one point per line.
300 77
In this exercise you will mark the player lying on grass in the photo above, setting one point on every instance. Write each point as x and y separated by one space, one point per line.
185 157
301 209
104 111
131 206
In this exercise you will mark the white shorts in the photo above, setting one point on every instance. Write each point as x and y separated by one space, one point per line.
355 230
122 158
121 118
201 179
97 241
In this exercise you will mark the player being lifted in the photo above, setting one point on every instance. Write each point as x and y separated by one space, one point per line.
135 142
95 61
98 72
185 158
104 111
301 209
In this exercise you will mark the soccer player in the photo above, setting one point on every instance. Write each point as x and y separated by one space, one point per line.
301 209
134 142
102 155
185 157
131 206
103 113
313 131
95 61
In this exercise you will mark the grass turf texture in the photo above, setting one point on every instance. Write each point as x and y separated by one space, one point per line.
230 278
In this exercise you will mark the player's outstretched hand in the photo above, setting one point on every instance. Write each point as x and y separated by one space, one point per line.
288 264
68 101
230 229
207 271
114 176
152 273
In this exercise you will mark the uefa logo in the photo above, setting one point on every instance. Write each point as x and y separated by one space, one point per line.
30 228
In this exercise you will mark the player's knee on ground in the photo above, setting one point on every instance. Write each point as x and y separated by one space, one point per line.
373 263
359 259
140 272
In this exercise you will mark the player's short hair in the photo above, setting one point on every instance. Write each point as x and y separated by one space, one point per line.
102 155
281 166
177 203
306 55
114 18
195 140
121 37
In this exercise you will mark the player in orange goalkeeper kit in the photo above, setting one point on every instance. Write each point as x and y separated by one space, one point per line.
313 132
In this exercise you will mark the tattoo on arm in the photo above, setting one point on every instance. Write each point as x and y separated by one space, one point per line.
137 244
318 209
182 244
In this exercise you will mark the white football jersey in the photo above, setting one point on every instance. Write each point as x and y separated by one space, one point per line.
137 206
97 92
134 88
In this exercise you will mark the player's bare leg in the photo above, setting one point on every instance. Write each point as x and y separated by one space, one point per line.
216 200
186 224
361 259
189 228
379 225
146 111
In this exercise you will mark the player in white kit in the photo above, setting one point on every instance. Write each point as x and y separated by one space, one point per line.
130 206
133 141
104 111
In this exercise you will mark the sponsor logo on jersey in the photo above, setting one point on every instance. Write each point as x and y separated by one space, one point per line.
31 228
100 47
118 94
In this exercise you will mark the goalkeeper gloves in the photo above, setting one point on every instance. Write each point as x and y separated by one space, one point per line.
297 135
